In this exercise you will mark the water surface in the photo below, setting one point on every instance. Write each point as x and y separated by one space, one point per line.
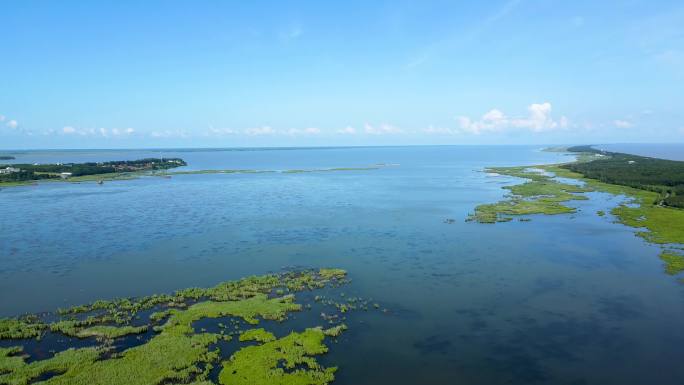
570 299
672 151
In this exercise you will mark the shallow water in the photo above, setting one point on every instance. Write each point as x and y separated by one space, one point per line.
570 299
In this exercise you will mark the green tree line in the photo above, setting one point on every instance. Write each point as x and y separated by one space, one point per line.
660 175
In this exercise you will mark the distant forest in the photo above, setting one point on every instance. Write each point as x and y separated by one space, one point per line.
660 175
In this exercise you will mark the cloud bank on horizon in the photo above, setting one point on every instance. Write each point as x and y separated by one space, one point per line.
407 72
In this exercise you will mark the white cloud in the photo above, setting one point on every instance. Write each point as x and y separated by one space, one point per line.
169 134
12 124
220 131
538 120
622 123
349 130
303 131
103 132
381 129
492 121
440 130
266 130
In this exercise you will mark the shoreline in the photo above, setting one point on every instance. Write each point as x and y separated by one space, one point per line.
543 193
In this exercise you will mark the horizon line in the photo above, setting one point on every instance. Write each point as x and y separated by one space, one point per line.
8 150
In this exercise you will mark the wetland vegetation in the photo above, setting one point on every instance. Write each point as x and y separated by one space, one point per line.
154 340
674 263
541 194
665 177
651 189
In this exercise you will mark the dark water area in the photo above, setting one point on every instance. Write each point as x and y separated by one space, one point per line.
568 299
672 151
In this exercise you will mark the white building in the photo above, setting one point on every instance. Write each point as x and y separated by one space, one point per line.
9 170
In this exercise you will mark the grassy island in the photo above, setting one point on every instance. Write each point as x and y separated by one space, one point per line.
653 190
171 348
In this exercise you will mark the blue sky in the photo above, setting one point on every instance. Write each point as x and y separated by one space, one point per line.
112 74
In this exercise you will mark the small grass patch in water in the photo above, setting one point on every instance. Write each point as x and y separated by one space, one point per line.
286 361
335 331
248 309
20 328
674 263
111 332
259 335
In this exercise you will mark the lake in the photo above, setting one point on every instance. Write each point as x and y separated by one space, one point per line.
567 299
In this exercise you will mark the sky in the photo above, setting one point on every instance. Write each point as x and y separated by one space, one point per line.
132 74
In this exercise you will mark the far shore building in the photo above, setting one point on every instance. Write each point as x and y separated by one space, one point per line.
9 170
65 175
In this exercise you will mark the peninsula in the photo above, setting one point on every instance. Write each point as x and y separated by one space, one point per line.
27 173
653 191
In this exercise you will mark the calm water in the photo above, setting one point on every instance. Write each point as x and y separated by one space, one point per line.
673 151
572 299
